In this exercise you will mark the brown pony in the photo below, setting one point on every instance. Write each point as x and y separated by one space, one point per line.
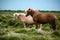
42 18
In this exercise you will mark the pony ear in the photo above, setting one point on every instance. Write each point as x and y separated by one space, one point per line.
29 8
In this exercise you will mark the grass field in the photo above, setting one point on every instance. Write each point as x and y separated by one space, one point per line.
10 30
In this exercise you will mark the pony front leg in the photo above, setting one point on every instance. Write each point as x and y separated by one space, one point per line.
40 26
24 25
37 26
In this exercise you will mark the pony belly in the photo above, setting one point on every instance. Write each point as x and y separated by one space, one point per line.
29 22
42 22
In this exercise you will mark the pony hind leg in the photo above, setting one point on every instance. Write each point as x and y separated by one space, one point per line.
24 25
53 24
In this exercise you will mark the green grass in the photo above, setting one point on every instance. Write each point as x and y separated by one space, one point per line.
10 30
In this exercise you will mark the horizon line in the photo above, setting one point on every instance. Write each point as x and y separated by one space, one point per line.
23 10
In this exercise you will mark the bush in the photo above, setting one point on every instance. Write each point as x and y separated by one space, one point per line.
56 33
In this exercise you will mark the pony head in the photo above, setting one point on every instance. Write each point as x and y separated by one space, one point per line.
30 12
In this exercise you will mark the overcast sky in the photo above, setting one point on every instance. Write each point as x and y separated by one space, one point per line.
34 4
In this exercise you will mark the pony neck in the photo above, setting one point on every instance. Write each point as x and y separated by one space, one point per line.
36 12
